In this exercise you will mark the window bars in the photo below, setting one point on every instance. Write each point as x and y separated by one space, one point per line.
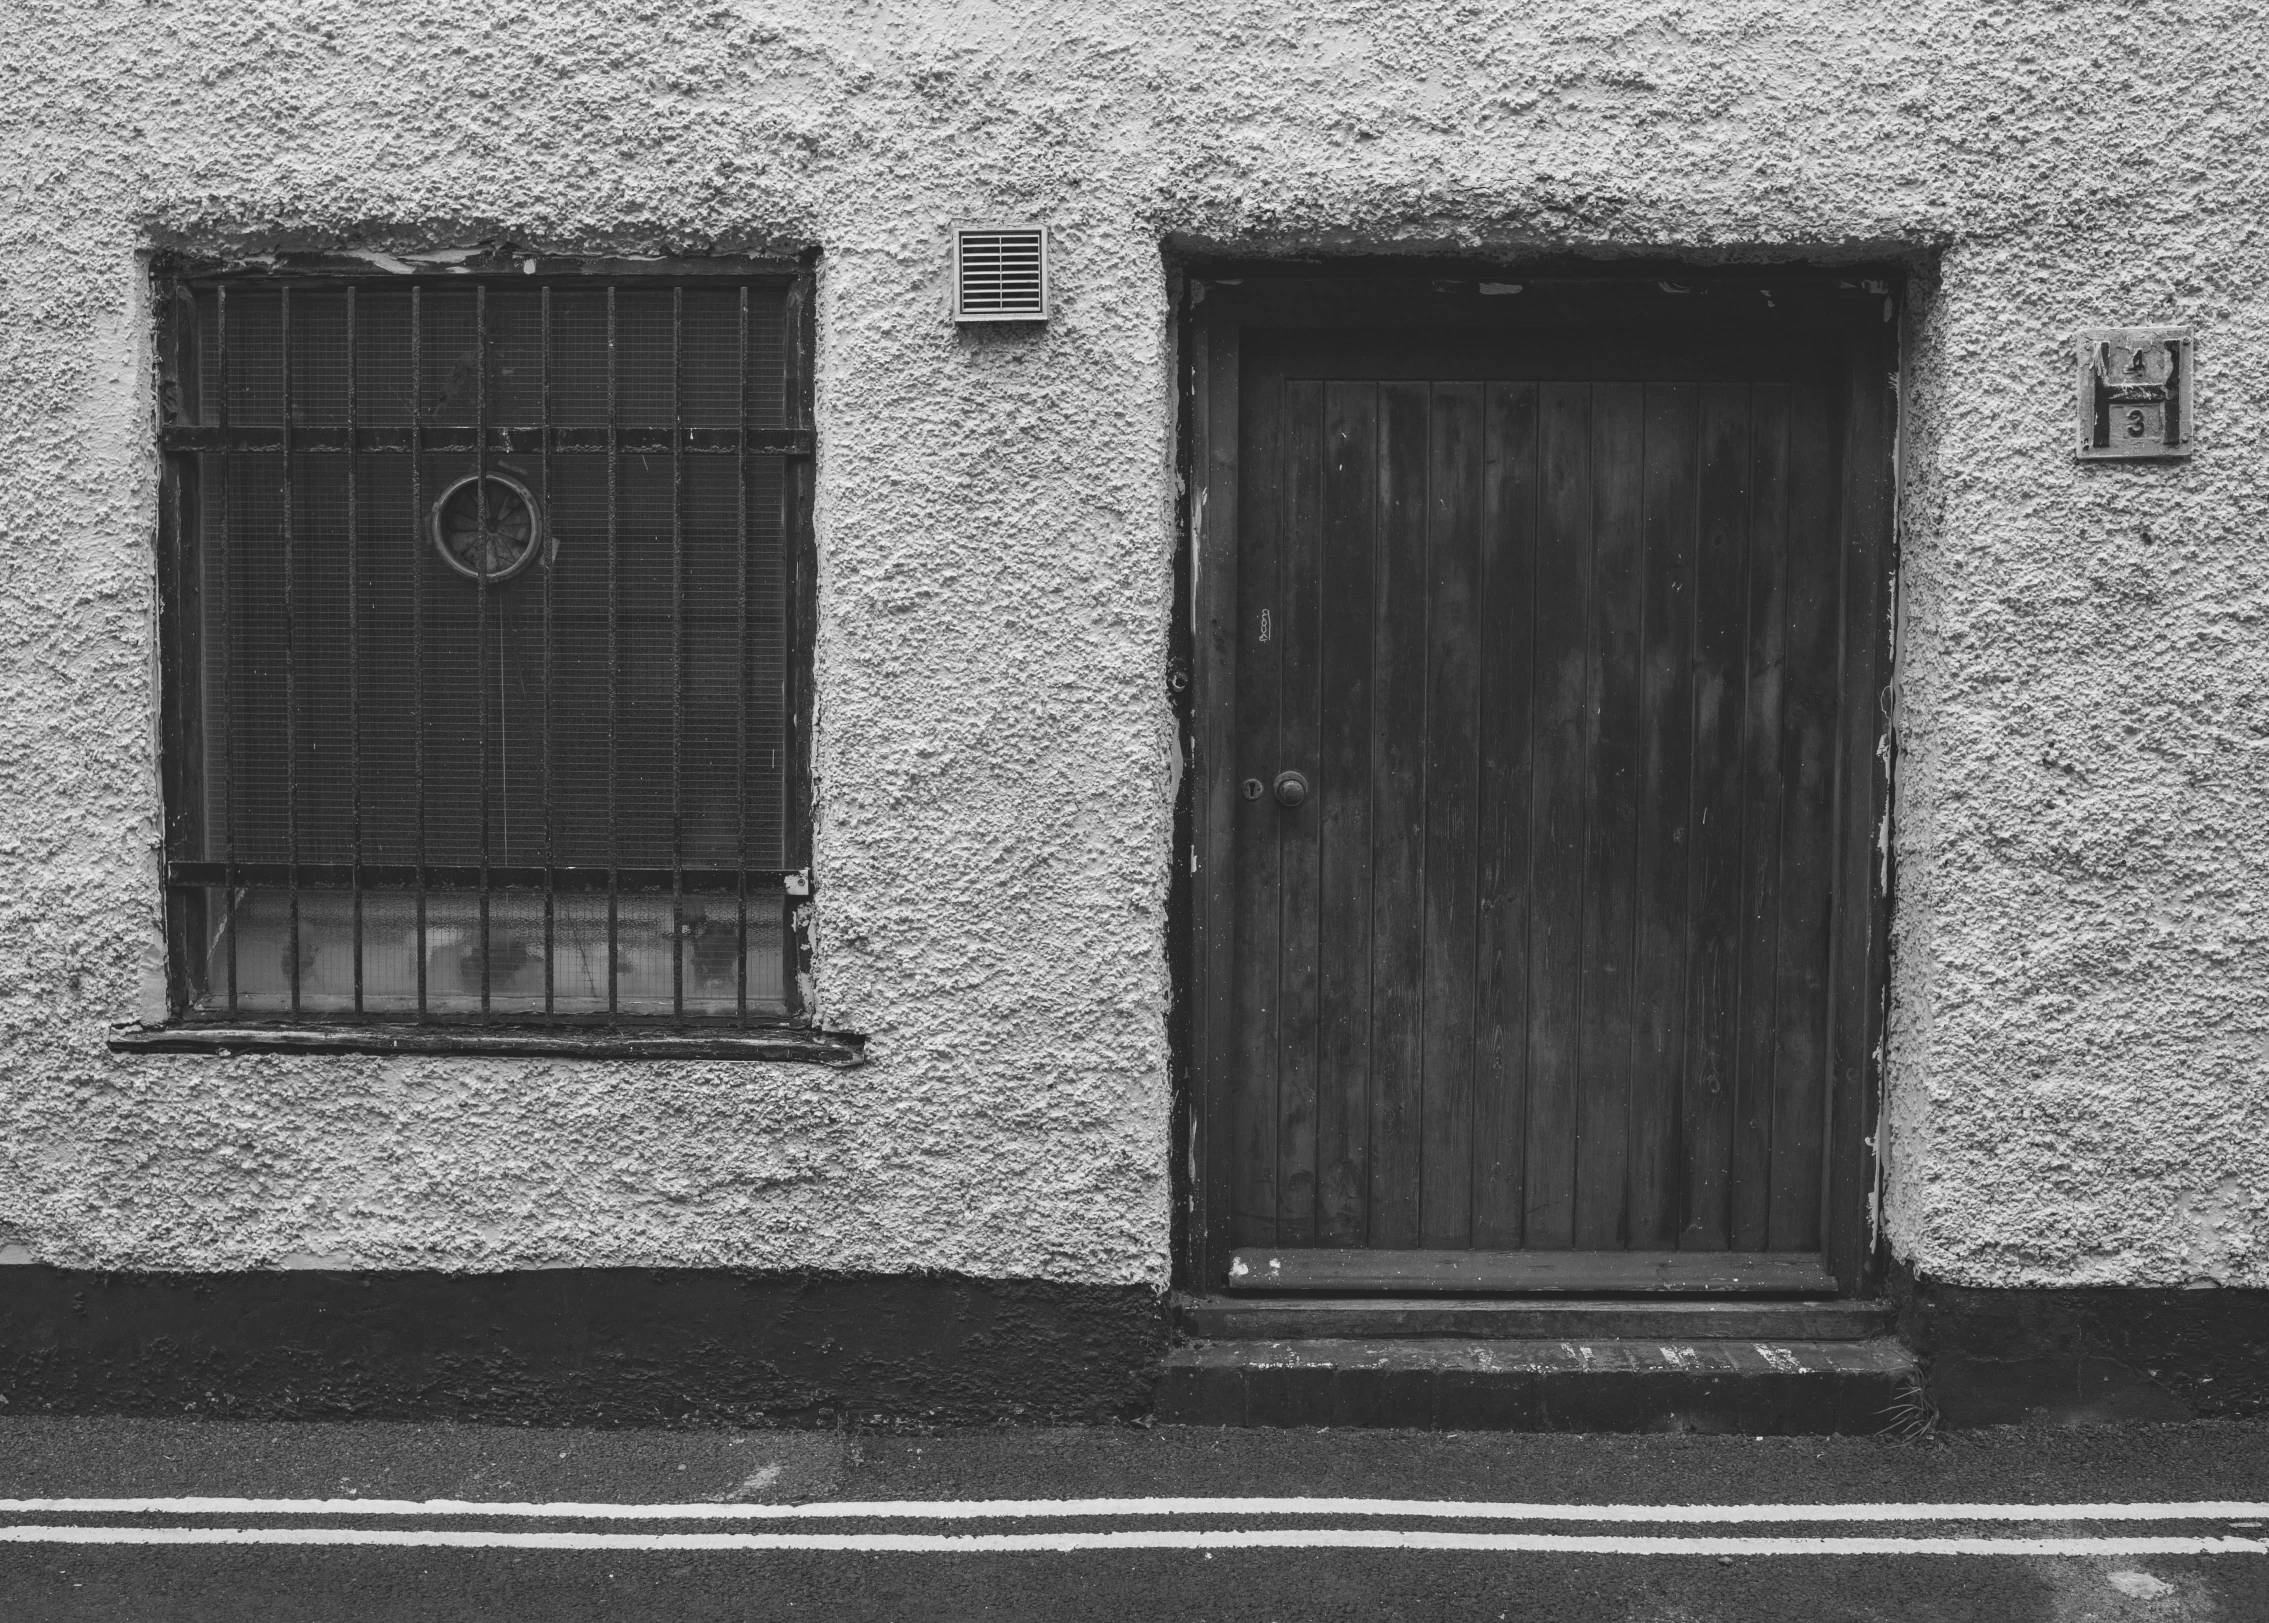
485 644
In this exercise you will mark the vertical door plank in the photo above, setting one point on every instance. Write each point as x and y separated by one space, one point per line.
1808 721
1343 813
1453 791
1507 584
1398 810
1665 791
1713 973
1253 1013
1558 803
1603 1104
1213 528
1856 966
1767 611
1301 662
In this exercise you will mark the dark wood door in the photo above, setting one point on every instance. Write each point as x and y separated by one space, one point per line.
1533 956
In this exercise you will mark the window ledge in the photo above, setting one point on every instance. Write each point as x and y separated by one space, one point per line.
786 1043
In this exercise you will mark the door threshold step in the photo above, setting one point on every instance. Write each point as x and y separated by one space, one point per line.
1623 1384
1332 1271
1307 1318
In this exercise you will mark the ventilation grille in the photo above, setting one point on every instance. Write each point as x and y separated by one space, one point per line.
1001 274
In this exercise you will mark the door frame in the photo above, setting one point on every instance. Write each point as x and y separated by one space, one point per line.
1858 307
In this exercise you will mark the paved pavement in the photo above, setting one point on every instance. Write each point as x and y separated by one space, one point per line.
1124 1525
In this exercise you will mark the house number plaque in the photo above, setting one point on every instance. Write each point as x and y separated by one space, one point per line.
2135 393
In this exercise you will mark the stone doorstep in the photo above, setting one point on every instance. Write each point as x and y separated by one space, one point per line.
1462 1384
1292 1318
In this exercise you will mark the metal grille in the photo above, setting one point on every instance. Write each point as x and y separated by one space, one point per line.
482 654
1001 275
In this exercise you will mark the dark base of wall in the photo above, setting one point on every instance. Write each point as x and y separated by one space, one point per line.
615 1346
2081 1357
634 1346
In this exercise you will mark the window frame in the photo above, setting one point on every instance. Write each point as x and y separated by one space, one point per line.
188 1025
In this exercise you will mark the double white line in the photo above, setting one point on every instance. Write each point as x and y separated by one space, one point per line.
2239 1528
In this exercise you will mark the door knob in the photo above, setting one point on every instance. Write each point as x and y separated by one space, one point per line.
1291 789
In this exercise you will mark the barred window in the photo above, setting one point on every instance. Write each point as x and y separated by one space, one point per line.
483 644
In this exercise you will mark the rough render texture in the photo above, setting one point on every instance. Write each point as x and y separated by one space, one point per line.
2080 1033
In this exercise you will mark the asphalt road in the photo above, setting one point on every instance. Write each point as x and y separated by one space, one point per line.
730 1557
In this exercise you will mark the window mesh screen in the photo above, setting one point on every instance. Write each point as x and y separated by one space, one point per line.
433 790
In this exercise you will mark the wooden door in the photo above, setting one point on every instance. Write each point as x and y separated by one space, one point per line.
1547 699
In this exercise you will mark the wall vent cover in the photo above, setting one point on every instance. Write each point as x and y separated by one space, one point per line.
1000 273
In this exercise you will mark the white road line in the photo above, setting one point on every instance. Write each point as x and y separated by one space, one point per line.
1318 1538
1061 1509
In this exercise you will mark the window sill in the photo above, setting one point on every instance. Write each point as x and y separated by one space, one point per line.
784 1043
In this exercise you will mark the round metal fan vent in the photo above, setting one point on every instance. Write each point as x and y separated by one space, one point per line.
488 527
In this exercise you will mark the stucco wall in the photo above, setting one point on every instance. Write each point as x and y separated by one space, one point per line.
2081 1033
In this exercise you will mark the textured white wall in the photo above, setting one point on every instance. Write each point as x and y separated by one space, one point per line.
2081 1036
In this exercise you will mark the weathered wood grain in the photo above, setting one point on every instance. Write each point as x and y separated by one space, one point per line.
1660 903
1299 720
1808 758
1256 882
1713 902
1749 1161
1453 792
1343 807
1611 833
1558 803
1508 605
1398 810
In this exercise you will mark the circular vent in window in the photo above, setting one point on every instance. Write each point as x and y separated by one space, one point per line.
488 527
